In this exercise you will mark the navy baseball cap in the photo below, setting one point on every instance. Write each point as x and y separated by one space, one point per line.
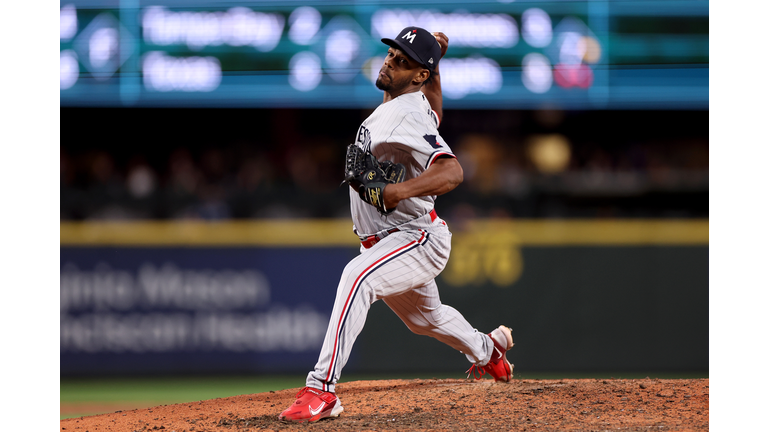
419 44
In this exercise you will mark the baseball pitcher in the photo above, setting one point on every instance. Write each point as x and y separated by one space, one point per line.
396 168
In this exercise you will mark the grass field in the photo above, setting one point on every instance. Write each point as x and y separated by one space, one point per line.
90 396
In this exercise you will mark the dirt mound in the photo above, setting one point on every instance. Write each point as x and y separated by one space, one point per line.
442 405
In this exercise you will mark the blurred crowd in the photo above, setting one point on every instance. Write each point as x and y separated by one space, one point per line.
223 164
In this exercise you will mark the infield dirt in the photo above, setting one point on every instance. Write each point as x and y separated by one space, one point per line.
443 405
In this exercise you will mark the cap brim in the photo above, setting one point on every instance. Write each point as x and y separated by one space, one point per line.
407 49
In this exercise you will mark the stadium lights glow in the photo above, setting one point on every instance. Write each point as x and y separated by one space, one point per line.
237 26
460 77
98 46
191 74
463 29
102 46
570 75
69 70
573 47
593 49
550 153
67 23
537 28
575 43
305 71
537 73
304 24
341 48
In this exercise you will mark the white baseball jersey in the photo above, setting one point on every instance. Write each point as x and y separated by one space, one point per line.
400 268
403 130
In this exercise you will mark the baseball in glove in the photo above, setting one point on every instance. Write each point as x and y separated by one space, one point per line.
369 176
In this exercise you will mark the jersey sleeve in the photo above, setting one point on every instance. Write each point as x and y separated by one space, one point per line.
419 134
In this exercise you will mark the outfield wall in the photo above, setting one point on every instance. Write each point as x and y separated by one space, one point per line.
254 297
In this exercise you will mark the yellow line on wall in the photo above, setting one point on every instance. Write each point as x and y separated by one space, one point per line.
193 233
601 232
338 232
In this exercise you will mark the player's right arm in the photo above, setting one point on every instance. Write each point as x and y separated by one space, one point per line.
441 177
434 91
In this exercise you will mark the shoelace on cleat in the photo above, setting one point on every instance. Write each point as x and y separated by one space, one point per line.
477 371
324 396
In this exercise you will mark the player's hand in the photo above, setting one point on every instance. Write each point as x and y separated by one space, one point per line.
369 177
390 196
442 39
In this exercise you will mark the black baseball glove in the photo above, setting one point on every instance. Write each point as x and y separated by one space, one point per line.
369 177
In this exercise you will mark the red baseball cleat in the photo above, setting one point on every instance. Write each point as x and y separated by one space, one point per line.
312 405
498 366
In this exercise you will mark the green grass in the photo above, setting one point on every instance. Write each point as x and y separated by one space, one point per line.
170 389
132 392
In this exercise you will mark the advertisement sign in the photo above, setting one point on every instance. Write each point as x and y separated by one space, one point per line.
255 297
195 309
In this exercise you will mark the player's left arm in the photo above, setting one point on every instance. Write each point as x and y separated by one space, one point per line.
441 177
433 91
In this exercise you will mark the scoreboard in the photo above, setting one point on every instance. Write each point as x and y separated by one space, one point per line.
502 54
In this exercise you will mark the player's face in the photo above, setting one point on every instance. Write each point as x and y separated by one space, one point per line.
397 72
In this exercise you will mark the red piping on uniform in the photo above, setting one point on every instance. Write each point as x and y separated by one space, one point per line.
434 158
341 317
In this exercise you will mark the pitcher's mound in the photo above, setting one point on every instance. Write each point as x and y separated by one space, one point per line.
442 405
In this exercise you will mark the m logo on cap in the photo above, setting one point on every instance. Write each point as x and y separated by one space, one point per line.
410 36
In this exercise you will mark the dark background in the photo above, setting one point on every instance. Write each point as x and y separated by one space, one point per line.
256 163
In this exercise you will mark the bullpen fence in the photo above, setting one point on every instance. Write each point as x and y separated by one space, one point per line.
255 297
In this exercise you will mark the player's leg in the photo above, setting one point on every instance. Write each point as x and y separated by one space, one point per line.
388 267
350 310
421 310
353 299
424 314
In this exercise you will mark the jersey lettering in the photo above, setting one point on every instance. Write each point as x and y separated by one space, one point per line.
364 138
403 130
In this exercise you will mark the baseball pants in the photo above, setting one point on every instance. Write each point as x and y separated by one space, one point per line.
400 269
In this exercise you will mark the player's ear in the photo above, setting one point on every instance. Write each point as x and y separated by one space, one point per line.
422 76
